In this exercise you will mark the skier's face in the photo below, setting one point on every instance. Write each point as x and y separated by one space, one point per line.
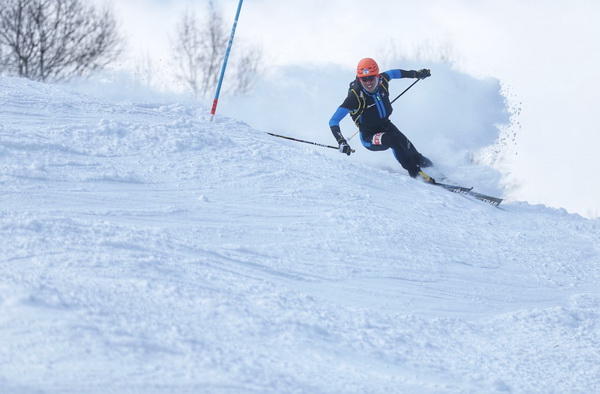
370 83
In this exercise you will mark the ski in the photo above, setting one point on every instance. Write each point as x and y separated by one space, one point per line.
495 201
454 189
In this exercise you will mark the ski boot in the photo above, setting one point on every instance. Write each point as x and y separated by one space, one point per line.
425 162
425 177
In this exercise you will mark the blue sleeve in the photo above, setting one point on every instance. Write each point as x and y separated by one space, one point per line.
394 74
398 73
337 117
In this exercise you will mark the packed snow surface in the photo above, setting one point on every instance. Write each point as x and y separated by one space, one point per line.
145 249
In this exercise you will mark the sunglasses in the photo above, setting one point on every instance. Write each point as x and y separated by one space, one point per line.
367 79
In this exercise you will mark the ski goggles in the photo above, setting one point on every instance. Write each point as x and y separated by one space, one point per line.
368 79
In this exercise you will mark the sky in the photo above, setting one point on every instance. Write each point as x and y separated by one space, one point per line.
542 53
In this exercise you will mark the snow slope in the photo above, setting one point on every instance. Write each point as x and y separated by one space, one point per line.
144 249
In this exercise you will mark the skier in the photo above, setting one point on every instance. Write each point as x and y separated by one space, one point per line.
368 104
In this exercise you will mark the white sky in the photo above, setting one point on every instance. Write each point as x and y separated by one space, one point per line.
544 52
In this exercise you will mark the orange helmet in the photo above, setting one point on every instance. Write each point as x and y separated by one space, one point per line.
367 67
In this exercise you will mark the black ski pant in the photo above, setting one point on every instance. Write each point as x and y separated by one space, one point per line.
388 136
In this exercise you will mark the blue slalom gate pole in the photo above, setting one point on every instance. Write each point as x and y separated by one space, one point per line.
216 100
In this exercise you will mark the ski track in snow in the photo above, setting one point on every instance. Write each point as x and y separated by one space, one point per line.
145 249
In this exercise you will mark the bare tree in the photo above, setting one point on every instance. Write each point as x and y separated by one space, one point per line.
200 50
194 53
427 50
144 69
52 40
245 69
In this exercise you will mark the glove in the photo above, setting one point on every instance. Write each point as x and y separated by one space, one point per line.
423 73
344 147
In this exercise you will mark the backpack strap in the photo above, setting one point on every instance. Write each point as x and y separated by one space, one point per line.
360 99
385 83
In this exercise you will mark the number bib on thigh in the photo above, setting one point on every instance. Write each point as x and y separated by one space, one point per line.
377 138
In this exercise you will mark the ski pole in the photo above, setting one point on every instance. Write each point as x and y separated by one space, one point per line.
306 142
405 90
392 102
353 135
